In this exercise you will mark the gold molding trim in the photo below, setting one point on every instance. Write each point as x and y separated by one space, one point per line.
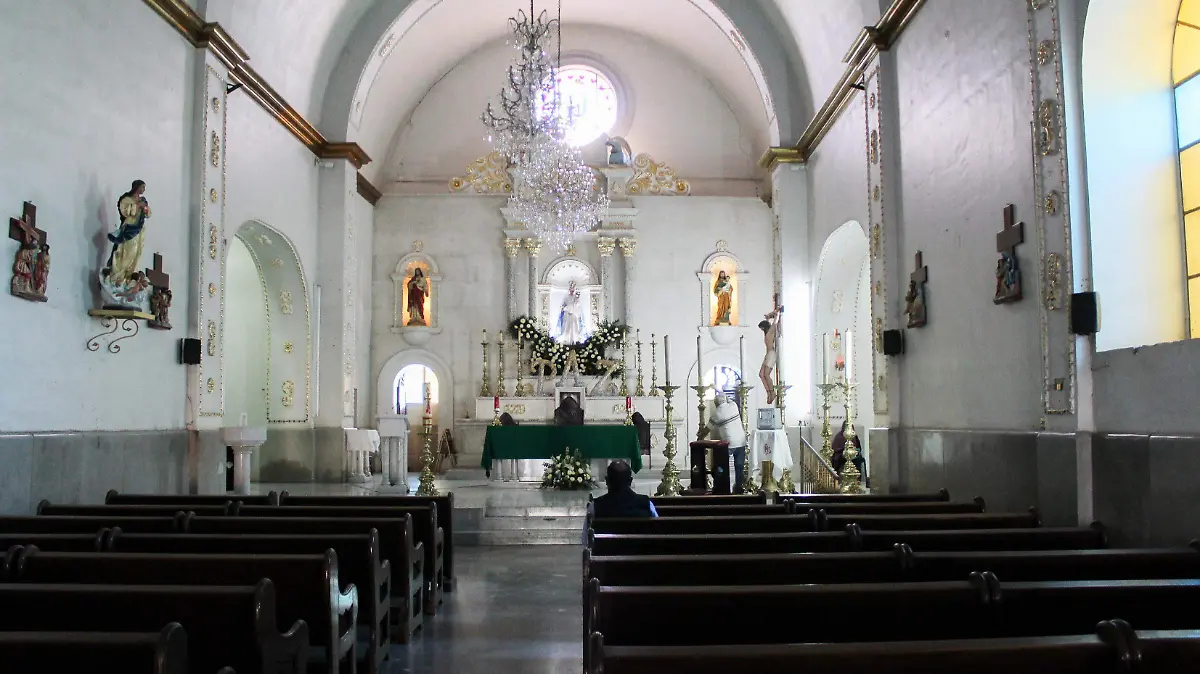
368 191
212 36
870 42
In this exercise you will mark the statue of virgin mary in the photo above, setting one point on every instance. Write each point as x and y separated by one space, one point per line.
570 317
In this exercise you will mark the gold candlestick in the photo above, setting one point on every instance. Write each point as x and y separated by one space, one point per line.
749 486
425 485
485 390
780 393
520 392
826 431
851 477
670 474
639 390
500 389
701 408
653 367
624 372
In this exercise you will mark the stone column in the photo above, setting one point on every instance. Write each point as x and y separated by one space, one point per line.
533 247
628 245
511 246
606 245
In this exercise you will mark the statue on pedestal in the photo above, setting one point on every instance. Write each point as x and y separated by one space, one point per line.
122 284
418 290
570 317
723 289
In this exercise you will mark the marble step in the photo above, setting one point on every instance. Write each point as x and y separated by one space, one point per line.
518 537
576 510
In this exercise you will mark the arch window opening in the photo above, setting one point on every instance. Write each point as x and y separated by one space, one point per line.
587 103
409 387
723 379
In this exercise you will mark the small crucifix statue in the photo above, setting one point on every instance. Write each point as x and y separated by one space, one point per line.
160 299
1008 273
914 301
31 268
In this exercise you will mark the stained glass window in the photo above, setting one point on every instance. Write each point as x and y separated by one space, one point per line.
588 103
1186 75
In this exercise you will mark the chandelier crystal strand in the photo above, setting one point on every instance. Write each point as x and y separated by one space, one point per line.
555 194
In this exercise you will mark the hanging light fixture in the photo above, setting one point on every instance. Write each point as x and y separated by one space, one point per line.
555 194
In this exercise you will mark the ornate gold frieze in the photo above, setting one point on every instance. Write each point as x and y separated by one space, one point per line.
653 178
486 175
289 393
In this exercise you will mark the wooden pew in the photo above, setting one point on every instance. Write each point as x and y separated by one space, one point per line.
941 495
445 517
359 562
1101 653
398 544
1041 538
1166 651
93 542
162 652
716 544
425 529
1015 565
113 497
892 507
48 524
919 522
709 500
752 524
226 626
307 586
45 507
1066 607
721 510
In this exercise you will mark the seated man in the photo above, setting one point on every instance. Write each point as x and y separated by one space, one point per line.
621 500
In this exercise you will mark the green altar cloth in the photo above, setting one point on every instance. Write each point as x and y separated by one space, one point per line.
543 442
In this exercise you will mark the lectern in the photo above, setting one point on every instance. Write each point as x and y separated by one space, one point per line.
700 471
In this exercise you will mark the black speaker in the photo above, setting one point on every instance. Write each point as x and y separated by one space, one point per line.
1085 313
893 342
189 351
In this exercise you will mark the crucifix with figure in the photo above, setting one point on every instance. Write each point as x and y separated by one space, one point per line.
160 299
1008 272
31 268
914 301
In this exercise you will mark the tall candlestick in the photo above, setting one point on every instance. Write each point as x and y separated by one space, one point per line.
699 364
667 359
825 358
849 356
742 356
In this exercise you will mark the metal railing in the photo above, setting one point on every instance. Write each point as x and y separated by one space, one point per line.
816 474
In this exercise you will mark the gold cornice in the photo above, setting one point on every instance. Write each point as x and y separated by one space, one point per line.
368 191
180 16
870 42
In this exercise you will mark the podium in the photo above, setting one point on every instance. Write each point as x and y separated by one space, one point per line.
699 466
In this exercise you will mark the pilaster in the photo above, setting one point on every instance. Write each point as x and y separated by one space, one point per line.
792 275
337 272
628 247
511 247
606 245
532 248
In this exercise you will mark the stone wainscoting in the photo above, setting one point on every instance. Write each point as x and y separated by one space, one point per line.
1144 488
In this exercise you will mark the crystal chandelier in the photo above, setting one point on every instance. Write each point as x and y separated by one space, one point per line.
555 194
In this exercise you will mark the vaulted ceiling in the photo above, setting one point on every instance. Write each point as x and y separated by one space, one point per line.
358 68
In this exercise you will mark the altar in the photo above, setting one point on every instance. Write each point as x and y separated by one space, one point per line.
595 442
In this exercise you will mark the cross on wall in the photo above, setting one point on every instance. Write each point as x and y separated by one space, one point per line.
156 276
921 273
24 229
1013 233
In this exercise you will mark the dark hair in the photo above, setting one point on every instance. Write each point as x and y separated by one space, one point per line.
764 325
619 475
136 185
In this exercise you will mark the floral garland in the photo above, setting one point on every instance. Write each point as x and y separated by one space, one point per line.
588 352
567 470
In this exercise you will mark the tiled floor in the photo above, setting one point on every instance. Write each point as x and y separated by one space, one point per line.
514 610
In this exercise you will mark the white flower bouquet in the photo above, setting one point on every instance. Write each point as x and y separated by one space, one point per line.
567 471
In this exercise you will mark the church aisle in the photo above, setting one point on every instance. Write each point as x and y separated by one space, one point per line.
514 610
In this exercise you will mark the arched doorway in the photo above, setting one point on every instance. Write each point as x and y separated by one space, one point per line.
410 386
842 305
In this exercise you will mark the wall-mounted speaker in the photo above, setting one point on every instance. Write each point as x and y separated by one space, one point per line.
189 351
893 342
1085 313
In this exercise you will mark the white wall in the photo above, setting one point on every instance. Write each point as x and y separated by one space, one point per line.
364 217
99 97
245 338
674 113
464 235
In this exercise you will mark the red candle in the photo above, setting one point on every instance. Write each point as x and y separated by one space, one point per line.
628 402
496 402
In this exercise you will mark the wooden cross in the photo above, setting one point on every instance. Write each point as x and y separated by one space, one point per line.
921 274
24 229
1012 234
156 276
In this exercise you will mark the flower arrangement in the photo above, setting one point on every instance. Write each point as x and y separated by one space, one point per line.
588 352
567 470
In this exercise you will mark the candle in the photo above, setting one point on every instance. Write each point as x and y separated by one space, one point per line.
667 358
699 364
399 401
628 403
496 402
742 357
849 356
825 358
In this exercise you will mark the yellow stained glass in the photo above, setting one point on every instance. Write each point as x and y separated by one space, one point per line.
1189 171
1191 233
1186 59
1189 12
1194 305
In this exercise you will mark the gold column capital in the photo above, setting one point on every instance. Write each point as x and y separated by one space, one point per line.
628 246
533 246
606 244
511 246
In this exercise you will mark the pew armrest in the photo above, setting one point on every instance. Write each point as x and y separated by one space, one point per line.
417 568
290 650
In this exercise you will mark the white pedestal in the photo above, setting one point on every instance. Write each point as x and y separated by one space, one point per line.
393 436
244 440
361 443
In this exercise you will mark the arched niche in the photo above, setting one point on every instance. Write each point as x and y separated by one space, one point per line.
385 385
721 260
556 279
1132 172
403 321
288 337
842 302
